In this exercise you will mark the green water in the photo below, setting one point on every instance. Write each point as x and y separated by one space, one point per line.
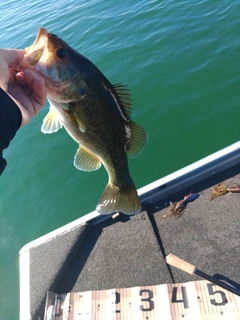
181 61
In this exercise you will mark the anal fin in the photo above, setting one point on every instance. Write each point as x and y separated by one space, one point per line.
85 160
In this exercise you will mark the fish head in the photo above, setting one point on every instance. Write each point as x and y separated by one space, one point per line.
58 63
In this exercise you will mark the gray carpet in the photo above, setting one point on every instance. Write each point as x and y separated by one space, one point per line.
130 251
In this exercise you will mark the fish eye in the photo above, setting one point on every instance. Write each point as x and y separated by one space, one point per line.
61 53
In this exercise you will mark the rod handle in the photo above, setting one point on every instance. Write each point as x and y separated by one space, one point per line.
179 263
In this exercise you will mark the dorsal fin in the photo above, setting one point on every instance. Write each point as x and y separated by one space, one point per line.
124 96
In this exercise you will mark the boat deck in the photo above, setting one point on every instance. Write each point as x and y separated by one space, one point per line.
103 253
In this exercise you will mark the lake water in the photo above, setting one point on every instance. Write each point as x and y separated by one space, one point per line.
181 61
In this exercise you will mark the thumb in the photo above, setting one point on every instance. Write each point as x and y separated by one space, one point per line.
12 56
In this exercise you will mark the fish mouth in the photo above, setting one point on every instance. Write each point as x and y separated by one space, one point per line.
38 57
34 53
32 61
57 84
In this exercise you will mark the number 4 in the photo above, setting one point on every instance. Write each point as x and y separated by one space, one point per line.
184 295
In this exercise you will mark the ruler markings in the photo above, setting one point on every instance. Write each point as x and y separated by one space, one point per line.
237 302
201 299
203 309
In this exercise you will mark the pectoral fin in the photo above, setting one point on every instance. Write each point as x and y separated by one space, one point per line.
80 125
51 122
138 140
85 160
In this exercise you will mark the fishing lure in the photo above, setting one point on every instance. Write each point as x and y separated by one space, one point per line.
221 189
177 207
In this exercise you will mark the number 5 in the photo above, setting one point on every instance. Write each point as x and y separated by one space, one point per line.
211 292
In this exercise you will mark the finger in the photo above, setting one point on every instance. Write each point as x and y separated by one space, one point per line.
21 79
39 90
36 82
25 78
33 85
30 76
12 56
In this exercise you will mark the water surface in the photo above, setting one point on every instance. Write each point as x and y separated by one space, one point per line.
181 62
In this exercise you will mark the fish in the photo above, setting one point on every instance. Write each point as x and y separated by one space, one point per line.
94 112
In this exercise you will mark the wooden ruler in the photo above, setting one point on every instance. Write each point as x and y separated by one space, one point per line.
196 300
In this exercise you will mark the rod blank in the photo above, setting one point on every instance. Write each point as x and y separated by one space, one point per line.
191 269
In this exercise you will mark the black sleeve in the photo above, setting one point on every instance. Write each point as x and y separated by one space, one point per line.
10 121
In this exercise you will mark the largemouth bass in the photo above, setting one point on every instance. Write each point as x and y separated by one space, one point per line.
95 113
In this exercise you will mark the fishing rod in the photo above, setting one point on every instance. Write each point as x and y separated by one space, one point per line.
191 269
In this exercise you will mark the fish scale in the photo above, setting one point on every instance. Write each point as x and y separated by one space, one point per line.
95 113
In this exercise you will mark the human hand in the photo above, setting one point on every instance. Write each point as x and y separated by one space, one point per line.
26 88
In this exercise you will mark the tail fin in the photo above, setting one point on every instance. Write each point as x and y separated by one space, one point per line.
114 199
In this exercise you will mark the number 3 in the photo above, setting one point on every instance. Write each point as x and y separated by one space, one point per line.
150 296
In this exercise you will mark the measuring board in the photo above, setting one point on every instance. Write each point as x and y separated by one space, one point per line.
196 300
